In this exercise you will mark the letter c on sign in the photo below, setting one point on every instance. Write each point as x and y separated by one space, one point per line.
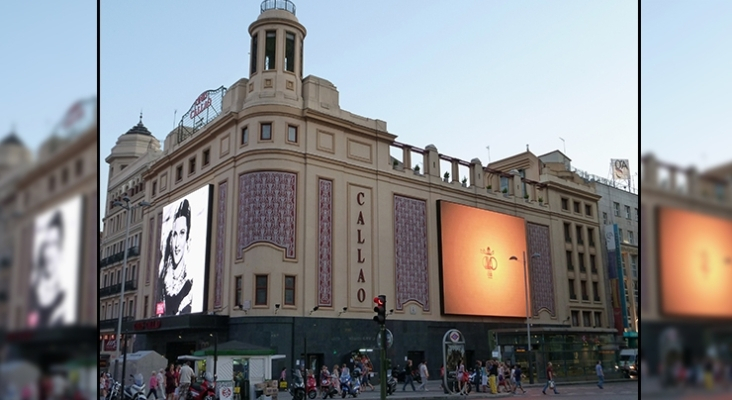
359 198
361 295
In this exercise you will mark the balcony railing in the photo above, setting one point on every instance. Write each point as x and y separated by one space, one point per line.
112 322
585 298
119 257
286 5
597 299
573 297
116 288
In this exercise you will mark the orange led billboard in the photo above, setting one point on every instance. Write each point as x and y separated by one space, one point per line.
695 264
478 277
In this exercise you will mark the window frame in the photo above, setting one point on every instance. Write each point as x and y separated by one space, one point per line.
257 288
291 46
253 56
206 157
239 290
244 136
271 131
192 165
269 66
565 204
179 173
293 289
289 127
572 290
577 207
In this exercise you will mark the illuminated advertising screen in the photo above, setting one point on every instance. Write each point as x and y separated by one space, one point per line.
184 254
478 277
695 264
55 268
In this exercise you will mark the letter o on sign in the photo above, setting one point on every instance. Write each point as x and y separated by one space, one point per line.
361 295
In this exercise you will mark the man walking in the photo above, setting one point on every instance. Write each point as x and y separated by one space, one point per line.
408 378
600 374
424 374
517 379
550 379
186 378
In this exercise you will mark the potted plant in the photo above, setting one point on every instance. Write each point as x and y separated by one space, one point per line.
446 176
541 200
416 170
504 191
465 182
526 197
489 187
396 164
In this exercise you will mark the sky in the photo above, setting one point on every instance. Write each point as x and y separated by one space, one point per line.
685 74
48 54
460 75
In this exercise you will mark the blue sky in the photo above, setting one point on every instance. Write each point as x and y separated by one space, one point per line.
48 53
686 87
459 75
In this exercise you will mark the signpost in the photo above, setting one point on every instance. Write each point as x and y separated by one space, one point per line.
453 351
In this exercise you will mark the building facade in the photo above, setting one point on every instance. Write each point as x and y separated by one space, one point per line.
686 227
128 161
295 216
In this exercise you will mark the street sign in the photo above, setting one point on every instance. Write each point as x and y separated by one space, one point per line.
389 339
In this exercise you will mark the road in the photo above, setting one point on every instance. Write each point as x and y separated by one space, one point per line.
624 390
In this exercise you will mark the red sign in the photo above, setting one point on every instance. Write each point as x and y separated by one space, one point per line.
202 103
147 325
110 345
160 308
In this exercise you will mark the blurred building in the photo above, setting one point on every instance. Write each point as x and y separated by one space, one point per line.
128 161
52 226
620 207
307 217
686 263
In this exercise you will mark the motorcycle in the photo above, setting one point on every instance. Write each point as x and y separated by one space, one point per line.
391 383
113 391
327 387
136 391
347 388
204 391
297 389
311 387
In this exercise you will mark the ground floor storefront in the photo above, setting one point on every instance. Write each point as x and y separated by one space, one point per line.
315 342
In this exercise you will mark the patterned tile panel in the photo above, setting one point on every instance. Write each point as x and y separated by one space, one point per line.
156 264
410 246
266 210
325 243
541 273
150 250
220 227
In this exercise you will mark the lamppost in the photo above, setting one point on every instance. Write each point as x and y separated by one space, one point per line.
528 315
126 206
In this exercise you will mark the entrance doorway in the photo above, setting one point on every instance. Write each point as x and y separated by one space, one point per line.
175 349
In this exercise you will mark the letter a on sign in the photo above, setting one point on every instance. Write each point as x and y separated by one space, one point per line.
360 276
360 218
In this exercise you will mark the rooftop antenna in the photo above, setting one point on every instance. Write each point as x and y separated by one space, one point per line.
141 116
564 144
527 147
489 153
174 114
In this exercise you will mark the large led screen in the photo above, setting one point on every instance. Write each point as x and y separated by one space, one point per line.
478 277
184 256
695 264
56 260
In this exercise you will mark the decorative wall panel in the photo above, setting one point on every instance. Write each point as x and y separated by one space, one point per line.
325 243
150 250
266 210
410 246
541 274
220 229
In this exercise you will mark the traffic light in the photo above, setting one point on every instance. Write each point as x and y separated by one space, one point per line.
380 309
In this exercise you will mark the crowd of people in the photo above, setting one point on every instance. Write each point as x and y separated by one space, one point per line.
169 384
493 376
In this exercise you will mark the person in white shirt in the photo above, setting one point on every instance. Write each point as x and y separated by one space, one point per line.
424 374
186 378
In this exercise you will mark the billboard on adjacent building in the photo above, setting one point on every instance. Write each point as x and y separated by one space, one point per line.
695 264
615 277
477 276
56 260
184 250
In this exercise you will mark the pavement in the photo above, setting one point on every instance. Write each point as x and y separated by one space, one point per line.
613 390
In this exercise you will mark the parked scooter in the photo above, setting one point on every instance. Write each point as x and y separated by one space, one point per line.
297 389
114 390
347 387
391 383
204 391
327 387
311 387
136 391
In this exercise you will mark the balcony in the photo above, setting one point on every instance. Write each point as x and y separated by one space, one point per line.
585 298
573 297
112 323
597 299
130 285
119 257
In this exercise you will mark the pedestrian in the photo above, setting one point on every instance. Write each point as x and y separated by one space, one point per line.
424 374
170 386
161 383
153 385
459 377
600 374
442 378
517 379
367 368
549 379
408 378
493 377
484 377
186 378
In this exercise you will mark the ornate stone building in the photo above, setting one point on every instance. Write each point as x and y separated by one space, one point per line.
311 218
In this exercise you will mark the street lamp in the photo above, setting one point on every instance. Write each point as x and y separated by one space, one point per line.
528 315
126 205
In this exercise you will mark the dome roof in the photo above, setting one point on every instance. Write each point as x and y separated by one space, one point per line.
139 129
11 139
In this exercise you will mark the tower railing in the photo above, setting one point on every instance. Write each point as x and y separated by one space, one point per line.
286 5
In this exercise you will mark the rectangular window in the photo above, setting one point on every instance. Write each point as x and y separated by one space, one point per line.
567 233
292 134
105 281
265 131
580 238
289 290
119 275
245 135
572 294
591 237
598 319
191 165
627 212
575 318
586 318
290 52
179 173
155 188
596 291
577 207
588 210
565 204
570 267
634 265
504 184
582 262
593 264
253 58
631 237
206 157
620 233
131 312
147 305
616 208
270 46
261 290
583 286
604 218
237 291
